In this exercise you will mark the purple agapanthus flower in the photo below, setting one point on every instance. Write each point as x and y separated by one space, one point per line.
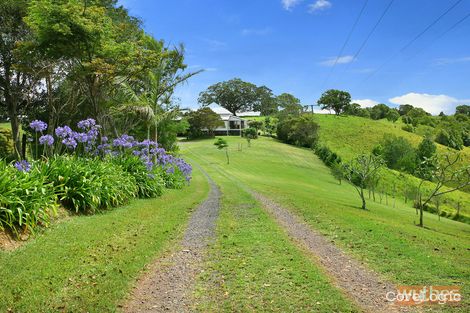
86 124
38 126
70 143
80 137
125 141
46 140
63 132
22 166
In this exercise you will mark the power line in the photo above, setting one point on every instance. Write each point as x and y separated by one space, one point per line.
345 43
373 30
430 25
442 35
409 43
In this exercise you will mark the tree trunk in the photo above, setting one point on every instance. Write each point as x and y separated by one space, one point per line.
15 127
363 200
52 110
421 222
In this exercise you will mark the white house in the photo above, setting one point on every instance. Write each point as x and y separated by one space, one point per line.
233 125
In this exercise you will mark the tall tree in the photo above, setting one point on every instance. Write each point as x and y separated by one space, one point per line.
335 100
100 41
17 84
266 102
235 95
289 103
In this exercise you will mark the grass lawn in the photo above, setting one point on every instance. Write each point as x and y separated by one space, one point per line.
254 267
89 263
384 237
5 125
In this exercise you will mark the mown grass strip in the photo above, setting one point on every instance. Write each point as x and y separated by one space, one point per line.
254 267
89 263
385 238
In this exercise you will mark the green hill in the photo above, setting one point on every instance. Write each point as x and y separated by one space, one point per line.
349 136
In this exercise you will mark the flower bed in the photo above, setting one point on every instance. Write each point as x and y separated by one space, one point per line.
83 171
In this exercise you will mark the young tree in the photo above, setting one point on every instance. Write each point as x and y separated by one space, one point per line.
425 154
337 171
361 171
222 144
250 133
235 95
269 126
257 125
202 120
444 174
335 100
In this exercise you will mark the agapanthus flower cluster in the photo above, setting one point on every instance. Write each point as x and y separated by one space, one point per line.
38 126
88 138
46 140
22 166
125 141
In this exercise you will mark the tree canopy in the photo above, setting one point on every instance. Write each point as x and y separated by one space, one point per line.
335 100
234 95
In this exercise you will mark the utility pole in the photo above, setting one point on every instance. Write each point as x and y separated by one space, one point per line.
306 107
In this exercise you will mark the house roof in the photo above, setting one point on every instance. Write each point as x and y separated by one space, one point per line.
219 110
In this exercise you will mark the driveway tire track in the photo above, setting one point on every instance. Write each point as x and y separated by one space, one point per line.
167 286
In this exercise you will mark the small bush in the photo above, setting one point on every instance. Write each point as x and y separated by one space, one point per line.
87 185
26 198
408 128
150 185
301 130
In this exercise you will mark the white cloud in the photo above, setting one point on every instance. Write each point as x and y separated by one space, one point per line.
319 5
430 103
256 32
446 61
341 60
289 4
365 103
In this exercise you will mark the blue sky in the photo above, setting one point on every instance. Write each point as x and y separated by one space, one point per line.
291 46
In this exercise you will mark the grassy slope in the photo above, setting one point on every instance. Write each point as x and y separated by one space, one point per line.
384 237
254 267
350 135
88 263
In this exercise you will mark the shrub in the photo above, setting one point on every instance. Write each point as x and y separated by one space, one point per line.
328 157
88 185
398 153
450 138
26 198
408 128
301 130
150 185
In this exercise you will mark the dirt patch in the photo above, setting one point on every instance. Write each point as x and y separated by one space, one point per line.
167 286
362 285
9 242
